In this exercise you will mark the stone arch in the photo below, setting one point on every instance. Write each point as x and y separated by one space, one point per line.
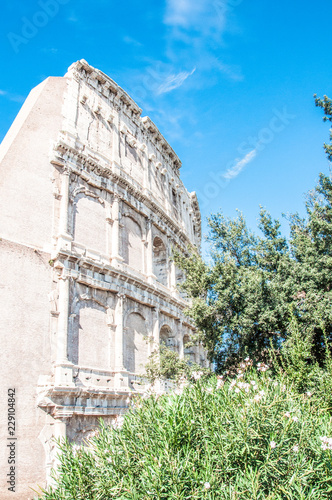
132 245
166 337
160 261
135 343
89 222
90 339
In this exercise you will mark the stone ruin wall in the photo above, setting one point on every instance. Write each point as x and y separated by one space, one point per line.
114 207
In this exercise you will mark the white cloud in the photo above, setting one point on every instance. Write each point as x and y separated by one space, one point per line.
12 97
131 41
234 171
173 82
233 72
201 15
182 12
199 26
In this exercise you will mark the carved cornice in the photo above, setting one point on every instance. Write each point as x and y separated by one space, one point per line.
102 84
149 125
170 305
52 400
107 88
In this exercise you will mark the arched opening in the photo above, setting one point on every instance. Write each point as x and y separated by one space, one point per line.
89 343
160 261
166 337
135 344
132 244
90 223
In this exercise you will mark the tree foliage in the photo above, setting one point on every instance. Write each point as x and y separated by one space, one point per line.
241 300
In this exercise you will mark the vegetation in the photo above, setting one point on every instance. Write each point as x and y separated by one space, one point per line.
165 364
248 438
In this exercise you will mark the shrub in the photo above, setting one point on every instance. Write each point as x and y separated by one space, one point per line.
249 438
296 360
166 364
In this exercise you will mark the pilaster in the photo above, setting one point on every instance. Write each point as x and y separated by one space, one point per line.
116 258
63 368
121 375
64 238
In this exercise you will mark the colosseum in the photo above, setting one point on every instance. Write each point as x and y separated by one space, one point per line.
92 205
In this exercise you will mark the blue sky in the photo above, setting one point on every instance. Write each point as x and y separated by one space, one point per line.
228 82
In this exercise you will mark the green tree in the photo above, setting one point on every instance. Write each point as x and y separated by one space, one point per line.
241 300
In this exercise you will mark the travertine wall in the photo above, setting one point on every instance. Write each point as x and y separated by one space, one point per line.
92 204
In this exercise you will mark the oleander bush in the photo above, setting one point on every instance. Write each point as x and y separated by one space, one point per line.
249 437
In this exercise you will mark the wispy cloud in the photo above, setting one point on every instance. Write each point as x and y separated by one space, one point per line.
173 82
235 170
187 14
193 37
12 97
233 72
131 41
199 27
182 12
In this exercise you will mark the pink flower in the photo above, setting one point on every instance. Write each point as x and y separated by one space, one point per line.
220 383
273 444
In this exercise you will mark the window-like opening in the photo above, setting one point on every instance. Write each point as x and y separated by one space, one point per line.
135 344
132 244
167 337
160 261
174 198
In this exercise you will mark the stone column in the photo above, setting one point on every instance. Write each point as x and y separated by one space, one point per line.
63 368
64 238
159 385
180 339
172 274
116 258
149 251
116 140
120 379
155 327
119 331
59 433
63 320
109 223
146 169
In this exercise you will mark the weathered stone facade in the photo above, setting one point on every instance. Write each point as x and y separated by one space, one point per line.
91 205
